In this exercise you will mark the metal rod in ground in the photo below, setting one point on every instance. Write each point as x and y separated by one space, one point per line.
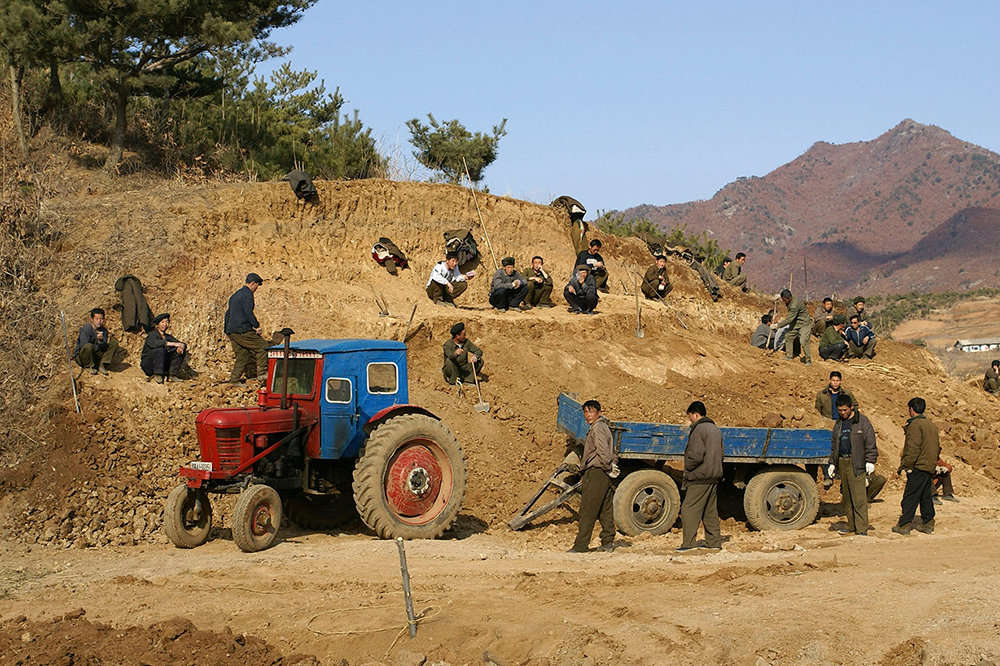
472 187
411 619
69 361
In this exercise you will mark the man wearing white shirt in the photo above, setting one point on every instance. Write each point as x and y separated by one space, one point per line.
446 281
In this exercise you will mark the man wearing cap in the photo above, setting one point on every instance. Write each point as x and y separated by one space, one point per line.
460 357
799 322
243 330
859 310
581 292
734 272
591 257
508 288
95 348
162 354
832 345
823 317
446 282
539 285
656 281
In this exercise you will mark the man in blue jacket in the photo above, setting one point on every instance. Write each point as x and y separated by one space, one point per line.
95 348
860 339
243 330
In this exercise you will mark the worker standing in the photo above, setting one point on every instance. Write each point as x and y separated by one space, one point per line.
600 465
243 329
799 323
702 473
921 450
853 454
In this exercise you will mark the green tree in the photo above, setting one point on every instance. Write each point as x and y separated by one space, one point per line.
442 147
138 47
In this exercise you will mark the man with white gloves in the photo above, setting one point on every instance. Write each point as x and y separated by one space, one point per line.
853 454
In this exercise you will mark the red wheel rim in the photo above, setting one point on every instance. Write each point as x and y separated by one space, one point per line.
260 523
418 481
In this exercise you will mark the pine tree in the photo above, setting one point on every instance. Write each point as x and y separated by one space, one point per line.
442 147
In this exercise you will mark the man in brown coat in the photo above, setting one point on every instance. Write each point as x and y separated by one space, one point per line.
656 282
853 453
599 464
702 473
921 449
991 382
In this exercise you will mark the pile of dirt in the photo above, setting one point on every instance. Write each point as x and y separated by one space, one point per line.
72 639
101 477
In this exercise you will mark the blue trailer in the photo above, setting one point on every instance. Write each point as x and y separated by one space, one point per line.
775 467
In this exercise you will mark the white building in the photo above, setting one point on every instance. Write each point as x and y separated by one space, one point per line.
978 345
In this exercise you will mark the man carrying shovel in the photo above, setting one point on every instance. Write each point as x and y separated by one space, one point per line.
463 361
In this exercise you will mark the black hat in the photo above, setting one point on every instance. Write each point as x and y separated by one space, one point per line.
507 261
457 328
160 317
859 299
253 277
660 256
583 267
839 319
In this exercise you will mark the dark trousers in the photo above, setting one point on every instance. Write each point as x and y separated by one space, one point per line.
89 356
539 294
595 504
854 351
701 506
917 492
601 279
454 372
943 481
251 355
580 302
853 495
835 352
504 298
164 361
438 292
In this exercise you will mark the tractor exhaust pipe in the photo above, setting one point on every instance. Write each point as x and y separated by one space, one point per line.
286 333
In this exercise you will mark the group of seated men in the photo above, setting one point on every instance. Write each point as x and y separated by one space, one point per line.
840 336
162 358
512 290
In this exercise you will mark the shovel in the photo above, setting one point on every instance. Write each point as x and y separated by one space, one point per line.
482 405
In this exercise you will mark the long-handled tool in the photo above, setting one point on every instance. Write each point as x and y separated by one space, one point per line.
482 405
639 333
472 187
662 300
69 361
774 313
407 331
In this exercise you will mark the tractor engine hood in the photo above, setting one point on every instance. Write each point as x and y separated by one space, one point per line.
261 420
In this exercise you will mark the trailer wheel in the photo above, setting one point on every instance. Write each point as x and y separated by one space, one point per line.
781 499
187 517
256 518
321 512
410 478
646 501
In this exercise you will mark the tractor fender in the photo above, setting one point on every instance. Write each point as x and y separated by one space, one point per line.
396 410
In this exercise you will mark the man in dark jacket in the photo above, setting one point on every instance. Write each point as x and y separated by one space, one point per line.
656 282
921 450
95 348
592 259
860 339
243 329
853 453
539 285
991 381
162 354
832 345
581 292
461 357
598 465
508 288
702 473
799 323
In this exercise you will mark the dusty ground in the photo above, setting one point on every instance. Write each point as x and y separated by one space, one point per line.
979 318
82 494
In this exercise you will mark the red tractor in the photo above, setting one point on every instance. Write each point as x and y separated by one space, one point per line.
332 437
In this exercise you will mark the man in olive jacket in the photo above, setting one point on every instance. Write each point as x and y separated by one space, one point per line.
921 449
656 281
853 453
599 464
702 473
799 323
826 398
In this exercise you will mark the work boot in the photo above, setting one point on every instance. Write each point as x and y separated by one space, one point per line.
606 548
926 528
936 499
104 370
158 379
577 550
902 529
949 498
262 377
93 370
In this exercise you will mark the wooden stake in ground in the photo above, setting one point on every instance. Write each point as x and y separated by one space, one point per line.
411 619
69 361
639 333
407 331
472 187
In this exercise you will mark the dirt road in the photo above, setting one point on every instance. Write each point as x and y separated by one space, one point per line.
513 598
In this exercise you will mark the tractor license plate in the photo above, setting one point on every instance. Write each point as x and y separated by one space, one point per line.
201 466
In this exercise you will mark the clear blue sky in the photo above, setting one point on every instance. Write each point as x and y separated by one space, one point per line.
619 104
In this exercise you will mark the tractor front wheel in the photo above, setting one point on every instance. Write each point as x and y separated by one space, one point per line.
410 478
256 518
187 517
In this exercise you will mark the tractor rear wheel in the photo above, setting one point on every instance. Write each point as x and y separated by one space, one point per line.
187 517
256 518
784 498
646 501
410 478
321 512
